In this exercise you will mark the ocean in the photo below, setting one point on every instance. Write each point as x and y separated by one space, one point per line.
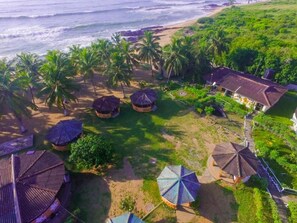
40 25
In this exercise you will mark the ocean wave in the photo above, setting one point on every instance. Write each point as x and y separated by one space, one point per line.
32 33
68 13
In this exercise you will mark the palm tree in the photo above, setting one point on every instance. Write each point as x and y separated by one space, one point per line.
27 70
127 50
58 85
149 49
74 54
86 64
11 98
103 48
175 58
118 71
218 43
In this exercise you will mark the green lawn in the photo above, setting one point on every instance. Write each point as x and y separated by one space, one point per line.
139 136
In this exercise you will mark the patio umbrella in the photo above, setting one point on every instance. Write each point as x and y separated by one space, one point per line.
106 104
144 97
65 132
235 159
125 218
178 185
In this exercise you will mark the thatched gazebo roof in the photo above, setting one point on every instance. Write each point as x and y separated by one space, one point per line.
144 97
29 184
235 159
65 132
178 185
125 218
106 104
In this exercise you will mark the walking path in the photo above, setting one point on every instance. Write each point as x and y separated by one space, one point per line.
262 172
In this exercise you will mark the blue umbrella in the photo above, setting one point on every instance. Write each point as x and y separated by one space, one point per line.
125 218
178 185
65 132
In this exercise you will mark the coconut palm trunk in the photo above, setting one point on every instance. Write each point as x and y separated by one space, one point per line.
123 90
32 95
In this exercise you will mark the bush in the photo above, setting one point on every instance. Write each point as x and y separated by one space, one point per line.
292 211
209 110
127 204
259 205
91 151
205 20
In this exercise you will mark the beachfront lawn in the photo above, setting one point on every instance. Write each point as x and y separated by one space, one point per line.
174 134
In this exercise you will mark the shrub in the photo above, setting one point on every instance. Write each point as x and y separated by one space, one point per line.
205 20
91 151
209 110
259 205
127 204
292 211
274 210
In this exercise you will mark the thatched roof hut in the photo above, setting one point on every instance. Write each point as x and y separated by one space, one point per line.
29 186
107 106
144 100
125 218
178 185
64 132
236 160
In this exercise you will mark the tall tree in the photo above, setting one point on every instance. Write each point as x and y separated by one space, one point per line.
11 97
57 80
27 70
218 43
118 71
74 55
175 58
87 63
127 50
103 48
149 49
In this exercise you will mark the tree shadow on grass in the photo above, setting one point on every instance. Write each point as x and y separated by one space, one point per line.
138 135
217 203
91 195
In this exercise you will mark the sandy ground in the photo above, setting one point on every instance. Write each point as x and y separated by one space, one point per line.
122 184
44 118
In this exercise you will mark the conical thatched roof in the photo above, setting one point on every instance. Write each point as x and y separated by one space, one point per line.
106 104
29 184
65 132
144 97
178 185
235 159
125 218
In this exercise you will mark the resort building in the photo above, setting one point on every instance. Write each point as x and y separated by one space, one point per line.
294 119
254 92
32 188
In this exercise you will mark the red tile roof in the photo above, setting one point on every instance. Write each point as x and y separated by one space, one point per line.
35 179
260 90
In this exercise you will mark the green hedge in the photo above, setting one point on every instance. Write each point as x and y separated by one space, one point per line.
292 212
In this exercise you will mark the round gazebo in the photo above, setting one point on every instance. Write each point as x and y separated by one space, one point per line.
125 218
144 100
235 160
107 106
178 186
64 133
32 187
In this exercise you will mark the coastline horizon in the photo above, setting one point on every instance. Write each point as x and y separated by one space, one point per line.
169 29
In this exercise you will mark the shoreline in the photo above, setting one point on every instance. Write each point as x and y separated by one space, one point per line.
169 30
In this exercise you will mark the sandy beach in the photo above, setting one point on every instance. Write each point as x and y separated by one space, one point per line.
169 31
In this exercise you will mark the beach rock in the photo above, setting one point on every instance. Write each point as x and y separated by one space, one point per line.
213 5
132 39
132 33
